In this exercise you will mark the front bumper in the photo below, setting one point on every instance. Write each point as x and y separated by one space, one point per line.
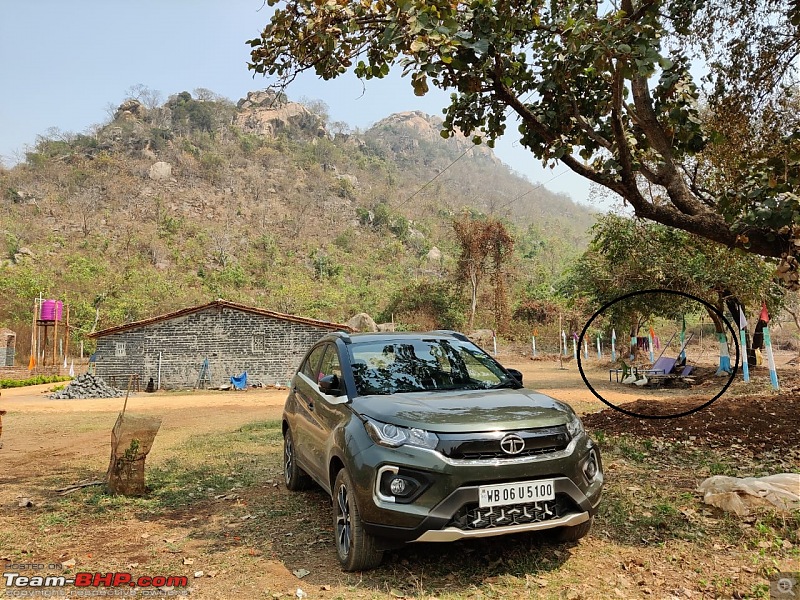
451 534
448 508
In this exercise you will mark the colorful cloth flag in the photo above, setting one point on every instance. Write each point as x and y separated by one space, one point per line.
764 316
613 345
742 319
724 356
773 371
745 365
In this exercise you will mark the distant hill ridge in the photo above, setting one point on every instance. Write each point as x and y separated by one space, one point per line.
262 202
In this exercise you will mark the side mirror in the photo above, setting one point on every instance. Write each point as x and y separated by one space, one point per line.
515 374
330 385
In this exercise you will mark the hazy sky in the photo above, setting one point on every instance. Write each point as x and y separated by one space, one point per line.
62 64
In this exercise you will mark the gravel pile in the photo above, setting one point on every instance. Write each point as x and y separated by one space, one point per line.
87 386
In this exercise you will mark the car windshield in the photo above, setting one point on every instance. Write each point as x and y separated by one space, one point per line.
424 365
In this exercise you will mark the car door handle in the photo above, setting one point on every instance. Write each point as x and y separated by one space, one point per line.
307 402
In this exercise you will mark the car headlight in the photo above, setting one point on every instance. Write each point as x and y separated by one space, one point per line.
394 436
575 427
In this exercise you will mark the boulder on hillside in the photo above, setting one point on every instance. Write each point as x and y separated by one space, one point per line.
130 109
264 114
362 322
160 171
351 179
434 255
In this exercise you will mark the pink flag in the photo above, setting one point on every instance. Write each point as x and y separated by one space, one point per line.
764 316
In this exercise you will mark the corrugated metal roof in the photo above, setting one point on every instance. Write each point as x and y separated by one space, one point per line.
222 304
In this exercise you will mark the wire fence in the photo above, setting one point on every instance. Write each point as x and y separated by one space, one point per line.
702 346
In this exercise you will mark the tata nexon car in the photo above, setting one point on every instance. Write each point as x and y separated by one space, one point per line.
425 437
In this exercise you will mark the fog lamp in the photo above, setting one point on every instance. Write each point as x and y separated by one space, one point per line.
397 485
590 468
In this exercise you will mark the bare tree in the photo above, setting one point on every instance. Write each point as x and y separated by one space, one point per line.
485 246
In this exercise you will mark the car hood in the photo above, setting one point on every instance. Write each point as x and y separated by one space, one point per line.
466 411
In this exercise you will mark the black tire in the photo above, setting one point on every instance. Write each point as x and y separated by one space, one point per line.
357 550
574 533
296 479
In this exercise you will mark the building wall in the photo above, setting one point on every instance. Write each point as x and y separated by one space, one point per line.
233 341
8 340
6 356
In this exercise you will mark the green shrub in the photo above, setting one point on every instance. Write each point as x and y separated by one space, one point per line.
37 380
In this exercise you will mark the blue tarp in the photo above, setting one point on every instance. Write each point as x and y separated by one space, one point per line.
239 381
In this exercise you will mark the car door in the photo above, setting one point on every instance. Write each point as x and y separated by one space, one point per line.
305 391
328 410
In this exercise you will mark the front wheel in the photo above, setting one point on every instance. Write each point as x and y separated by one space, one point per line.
296 479
357 549
574 533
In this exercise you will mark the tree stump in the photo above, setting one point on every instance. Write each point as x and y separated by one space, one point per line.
131 440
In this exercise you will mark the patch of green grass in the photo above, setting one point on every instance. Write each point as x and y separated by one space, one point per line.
644 516
54 519
773 528
38 380
629 450
600 437
202 467
210 465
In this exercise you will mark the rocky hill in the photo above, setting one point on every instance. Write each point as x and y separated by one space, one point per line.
263 202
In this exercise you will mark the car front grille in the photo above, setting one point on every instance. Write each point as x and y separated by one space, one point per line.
486 455
487 446
471 516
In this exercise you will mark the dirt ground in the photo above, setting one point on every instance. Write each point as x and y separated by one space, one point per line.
51 443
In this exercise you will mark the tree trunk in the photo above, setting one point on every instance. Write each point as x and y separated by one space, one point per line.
131 440
473 280
724 367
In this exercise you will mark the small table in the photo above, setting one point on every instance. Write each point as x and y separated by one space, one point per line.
132 377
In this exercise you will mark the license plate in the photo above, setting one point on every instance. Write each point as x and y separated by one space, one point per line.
520 492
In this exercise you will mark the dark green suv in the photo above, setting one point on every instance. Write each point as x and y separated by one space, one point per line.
425 437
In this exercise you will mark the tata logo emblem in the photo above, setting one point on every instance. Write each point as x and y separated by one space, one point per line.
512 444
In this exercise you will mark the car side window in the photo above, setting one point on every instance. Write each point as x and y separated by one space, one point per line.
311 366
477 370
330 364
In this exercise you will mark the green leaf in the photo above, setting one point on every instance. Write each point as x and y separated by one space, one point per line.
418 44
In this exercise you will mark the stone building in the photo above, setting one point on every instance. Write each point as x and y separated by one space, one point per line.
233 338
8 342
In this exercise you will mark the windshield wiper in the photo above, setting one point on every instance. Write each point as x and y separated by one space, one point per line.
509 383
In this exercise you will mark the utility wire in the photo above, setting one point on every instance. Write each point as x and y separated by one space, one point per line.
462 155
435 177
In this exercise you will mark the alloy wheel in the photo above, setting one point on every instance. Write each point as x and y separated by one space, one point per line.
343 521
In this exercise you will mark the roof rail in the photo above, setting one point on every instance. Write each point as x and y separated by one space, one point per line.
343 335
456 334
